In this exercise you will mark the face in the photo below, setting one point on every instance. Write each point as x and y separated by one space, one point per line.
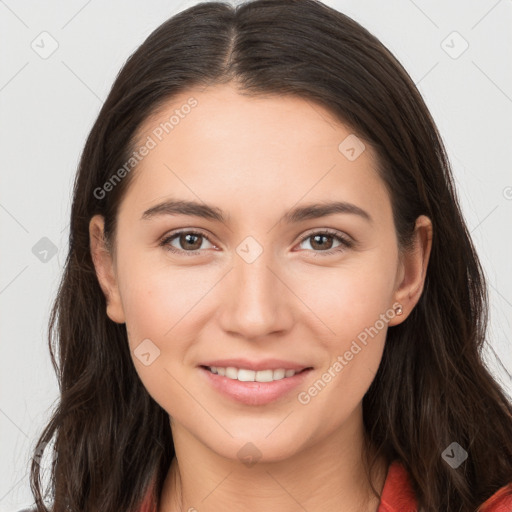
255 273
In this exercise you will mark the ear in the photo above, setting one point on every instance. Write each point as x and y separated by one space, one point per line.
413 270
105 270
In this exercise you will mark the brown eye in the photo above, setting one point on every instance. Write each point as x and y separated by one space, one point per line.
319 241
322 242
190 241
187 241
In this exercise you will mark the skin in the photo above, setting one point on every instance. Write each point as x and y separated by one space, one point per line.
256 158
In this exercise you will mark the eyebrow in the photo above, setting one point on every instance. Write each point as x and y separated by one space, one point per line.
298 214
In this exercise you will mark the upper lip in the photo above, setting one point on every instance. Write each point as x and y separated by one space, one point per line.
263 364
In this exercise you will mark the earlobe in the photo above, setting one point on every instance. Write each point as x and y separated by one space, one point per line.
104 267
413 269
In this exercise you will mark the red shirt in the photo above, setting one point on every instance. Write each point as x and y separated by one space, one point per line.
398 496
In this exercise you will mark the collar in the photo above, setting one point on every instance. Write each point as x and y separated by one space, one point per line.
397 494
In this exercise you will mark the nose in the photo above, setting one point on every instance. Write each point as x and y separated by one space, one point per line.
256 300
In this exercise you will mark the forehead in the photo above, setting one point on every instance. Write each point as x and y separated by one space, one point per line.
221 113
217 144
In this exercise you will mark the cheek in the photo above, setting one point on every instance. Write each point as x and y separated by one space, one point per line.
167 306
349 298
354 306
158 305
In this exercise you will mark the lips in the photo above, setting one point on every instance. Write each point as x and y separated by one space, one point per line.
253 393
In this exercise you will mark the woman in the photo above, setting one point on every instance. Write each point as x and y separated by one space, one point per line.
271 300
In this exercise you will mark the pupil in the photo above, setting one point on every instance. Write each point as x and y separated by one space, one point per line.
317 237
191 236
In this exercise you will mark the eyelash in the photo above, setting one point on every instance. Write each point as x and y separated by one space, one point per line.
345 242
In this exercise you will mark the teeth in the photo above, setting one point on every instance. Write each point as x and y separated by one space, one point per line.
244 375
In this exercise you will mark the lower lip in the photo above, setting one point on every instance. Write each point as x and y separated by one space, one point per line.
254 393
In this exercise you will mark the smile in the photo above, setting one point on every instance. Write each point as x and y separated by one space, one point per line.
253 387
244 375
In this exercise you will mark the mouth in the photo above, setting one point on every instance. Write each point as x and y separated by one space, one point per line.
254 387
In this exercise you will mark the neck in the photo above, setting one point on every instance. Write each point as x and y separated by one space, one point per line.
328 476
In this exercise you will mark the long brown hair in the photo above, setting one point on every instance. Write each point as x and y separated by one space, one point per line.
111 440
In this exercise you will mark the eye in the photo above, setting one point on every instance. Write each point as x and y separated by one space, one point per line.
190 242
322 240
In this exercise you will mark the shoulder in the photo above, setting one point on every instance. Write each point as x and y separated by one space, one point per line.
398 496
500 501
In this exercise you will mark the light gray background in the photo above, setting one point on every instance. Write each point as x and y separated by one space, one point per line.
48 105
